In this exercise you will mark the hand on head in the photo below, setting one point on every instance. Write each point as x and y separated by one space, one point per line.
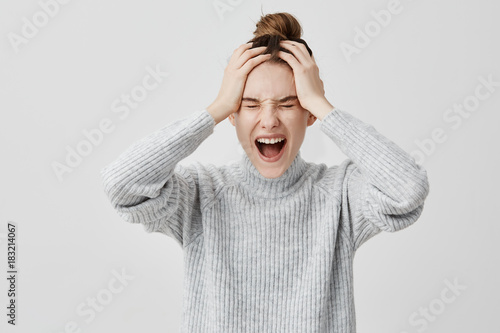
243 60
309 86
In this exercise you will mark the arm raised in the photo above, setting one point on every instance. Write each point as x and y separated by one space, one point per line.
384 189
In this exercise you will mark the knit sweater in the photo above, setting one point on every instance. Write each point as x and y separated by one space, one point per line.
260 254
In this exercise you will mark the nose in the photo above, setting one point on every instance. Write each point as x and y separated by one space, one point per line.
269 117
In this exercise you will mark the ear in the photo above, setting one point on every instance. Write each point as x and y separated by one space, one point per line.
311 119
231 118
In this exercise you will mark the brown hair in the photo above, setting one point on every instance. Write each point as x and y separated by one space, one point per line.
273 28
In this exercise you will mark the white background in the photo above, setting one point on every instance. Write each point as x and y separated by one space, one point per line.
65 77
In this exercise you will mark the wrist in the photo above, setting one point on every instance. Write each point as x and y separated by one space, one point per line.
321 108
213 110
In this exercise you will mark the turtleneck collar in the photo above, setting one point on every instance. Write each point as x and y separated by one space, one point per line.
289 181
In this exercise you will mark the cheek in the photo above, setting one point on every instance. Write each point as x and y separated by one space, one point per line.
243 128
298 126
246 121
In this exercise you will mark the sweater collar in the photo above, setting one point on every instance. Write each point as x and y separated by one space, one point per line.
289 181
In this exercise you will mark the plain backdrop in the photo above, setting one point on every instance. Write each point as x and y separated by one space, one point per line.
419 76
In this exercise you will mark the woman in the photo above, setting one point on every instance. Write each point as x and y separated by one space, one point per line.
269 241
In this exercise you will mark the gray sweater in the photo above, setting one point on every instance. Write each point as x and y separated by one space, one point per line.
267 255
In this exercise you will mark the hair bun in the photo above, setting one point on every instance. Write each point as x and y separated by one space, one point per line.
284 25
273 28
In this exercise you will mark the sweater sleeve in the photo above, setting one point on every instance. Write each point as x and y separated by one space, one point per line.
147 186
383 188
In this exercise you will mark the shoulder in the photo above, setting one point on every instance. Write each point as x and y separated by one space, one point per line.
330 179
210 179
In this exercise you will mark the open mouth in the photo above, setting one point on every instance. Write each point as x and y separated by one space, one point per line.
271 152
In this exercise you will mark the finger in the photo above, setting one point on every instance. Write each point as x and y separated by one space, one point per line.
250 53
252 63
239 51
290 59
299 50
302 47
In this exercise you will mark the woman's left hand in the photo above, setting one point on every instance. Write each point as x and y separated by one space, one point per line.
309 86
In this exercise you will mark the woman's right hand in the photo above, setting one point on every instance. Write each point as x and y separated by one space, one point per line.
241 63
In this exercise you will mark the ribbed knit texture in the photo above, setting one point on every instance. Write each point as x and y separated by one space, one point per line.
267 255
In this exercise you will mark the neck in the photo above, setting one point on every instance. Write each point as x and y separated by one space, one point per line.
254 182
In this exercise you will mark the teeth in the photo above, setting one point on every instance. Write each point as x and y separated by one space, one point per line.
270 141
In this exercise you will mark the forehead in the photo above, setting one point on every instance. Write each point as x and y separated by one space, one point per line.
270 81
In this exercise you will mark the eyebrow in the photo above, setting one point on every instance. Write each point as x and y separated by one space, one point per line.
282 100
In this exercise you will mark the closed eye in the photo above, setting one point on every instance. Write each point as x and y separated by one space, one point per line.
254 106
